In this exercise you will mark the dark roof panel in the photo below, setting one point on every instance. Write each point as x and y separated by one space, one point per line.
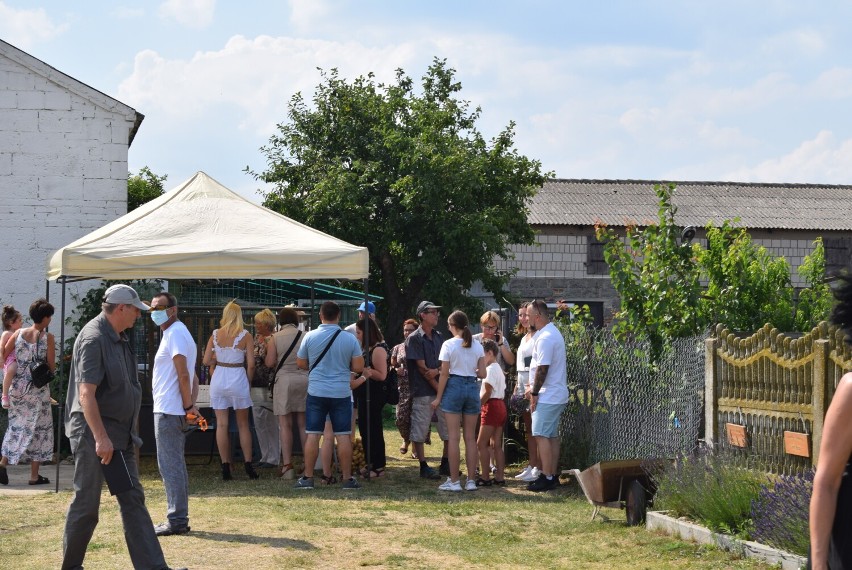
764 206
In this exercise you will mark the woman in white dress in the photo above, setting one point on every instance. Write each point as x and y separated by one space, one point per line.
230 356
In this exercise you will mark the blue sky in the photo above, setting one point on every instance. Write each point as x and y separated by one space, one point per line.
730 91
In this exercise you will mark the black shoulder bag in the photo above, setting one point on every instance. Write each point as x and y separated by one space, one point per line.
322 354
40 373
281 363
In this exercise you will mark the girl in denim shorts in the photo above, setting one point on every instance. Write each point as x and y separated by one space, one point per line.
462 367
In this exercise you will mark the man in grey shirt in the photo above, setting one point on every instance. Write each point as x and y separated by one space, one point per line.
103 402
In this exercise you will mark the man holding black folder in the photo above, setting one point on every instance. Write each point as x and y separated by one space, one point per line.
103 402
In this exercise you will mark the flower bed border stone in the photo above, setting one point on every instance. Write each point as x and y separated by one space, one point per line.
686 530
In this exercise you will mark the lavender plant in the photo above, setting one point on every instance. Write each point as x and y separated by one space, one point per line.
780 513
709 488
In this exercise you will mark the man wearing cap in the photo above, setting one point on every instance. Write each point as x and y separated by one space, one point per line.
173 387
104 397
421 353
364 309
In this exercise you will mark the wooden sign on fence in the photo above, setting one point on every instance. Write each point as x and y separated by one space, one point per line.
737 435
796 443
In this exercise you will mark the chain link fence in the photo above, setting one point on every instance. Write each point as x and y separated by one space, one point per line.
624 406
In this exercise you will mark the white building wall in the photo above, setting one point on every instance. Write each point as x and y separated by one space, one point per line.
63 173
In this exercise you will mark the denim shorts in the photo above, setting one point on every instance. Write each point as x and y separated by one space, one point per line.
339 410
545 420
461 396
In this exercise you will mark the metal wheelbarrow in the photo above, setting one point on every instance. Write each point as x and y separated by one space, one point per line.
620 484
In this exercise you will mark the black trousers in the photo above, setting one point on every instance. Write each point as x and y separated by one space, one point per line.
372 432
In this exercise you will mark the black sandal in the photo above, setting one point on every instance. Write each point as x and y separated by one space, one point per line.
4 476
329 480
480 482
500 483
40 481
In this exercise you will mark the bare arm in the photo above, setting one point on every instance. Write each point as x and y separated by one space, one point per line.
92 413
430 374
481 369
9 344
184 384
209 355
506 353
247 344
834 452
271 360
540 375
302 363
51 352
443 375
379 370
486 394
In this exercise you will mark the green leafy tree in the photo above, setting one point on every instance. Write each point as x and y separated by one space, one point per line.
408 175
747 287
656 276
143 187
816 300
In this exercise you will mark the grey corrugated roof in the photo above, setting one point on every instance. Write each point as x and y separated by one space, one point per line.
765 206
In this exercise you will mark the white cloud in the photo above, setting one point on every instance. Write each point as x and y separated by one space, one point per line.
196 14
821 160
25 28
127 13
255 77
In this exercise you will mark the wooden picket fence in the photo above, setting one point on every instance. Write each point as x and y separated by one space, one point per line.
766 394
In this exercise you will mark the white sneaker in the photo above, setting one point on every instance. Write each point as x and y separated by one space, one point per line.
533 475
470 485
450 485
524 473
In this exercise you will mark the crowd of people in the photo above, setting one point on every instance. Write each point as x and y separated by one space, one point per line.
324 382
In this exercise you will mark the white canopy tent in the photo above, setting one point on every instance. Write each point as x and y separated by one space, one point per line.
203 230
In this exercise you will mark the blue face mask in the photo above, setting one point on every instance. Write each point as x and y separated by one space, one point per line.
159 317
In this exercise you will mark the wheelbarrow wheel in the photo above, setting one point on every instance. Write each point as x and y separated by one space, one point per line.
636 504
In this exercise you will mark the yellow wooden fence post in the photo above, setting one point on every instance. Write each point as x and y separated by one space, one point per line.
820 392
711 417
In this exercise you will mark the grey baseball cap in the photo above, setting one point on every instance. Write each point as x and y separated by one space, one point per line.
124 295
425 306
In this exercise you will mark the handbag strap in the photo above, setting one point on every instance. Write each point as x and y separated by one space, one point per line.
314 365
289 350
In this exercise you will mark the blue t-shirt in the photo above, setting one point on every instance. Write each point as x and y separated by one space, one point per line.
330 378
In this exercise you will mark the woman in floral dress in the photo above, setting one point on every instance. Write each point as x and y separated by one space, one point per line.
403 408
30 432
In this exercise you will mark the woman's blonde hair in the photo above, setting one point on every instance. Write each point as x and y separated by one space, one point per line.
490 317
265 317
232 319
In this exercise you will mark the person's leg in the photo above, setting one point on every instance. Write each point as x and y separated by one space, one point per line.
554 455
223 438
266 428
300 425
341 422
315 417
82 516
499 455
470 451
364 432
142 543
377 406
453 423
244 429
327 450
482 443
34 465
169 434
285 431
532 443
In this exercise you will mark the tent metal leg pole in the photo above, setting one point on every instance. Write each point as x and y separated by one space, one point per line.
313 306
61 406
367 362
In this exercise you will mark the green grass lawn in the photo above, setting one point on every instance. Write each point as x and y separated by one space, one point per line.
398 521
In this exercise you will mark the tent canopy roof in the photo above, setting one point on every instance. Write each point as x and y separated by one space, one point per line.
202 230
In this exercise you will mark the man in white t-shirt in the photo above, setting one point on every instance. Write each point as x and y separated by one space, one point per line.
548 392
174 389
